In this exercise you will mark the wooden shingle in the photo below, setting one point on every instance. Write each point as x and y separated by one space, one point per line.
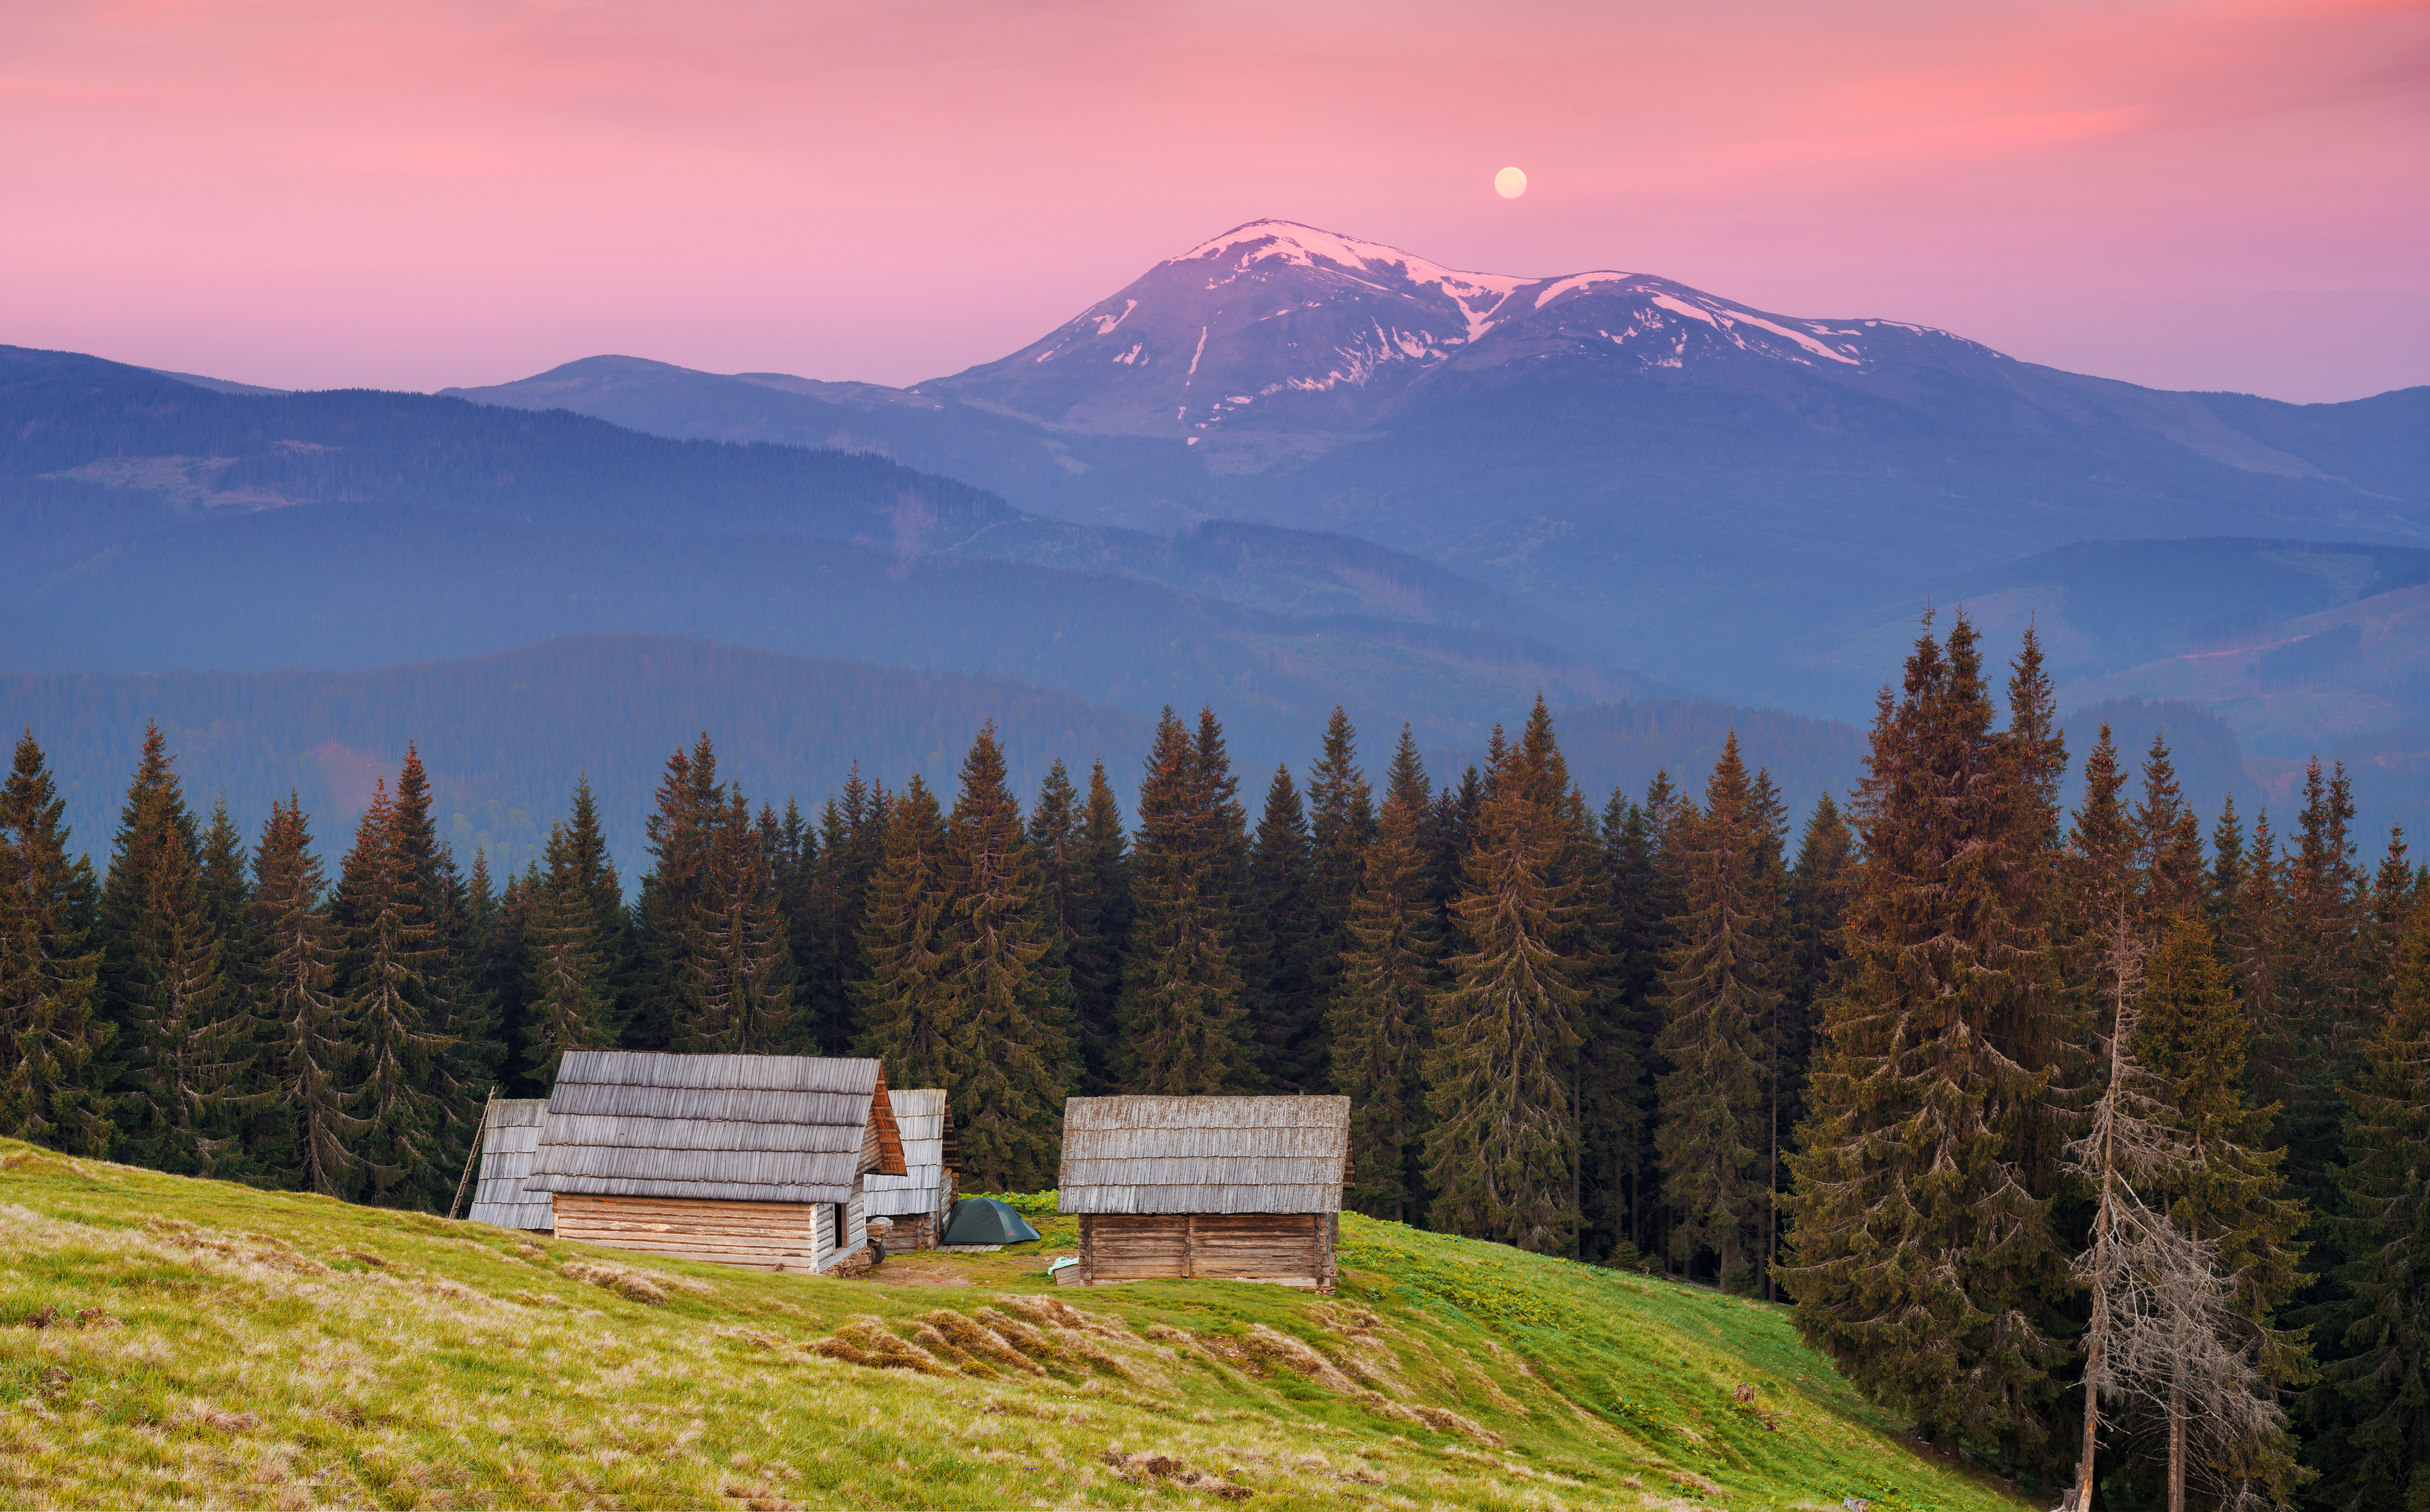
729 1128
1205 1155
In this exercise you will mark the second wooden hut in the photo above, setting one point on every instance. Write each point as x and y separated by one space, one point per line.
918 1200
749 1160
509 1142
1245 1188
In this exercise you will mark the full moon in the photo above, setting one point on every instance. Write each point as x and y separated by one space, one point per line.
1510 183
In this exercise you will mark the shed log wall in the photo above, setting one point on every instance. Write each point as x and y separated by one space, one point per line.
756 1236
1295 1248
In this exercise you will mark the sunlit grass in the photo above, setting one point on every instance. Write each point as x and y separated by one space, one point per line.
211 1344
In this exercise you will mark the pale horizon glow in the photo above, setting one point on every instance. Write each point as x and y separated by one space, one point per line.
2185 193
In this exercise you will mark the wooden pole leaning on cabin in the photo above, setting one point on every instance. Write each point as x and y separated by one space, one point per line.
1190 1245
472 1155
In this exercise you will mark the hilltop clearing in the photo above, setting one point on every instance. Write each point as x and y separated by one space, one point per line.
165 1339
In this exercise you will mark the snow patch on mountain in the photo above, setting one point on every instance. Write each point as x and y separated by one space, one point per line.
1244 247
1578 280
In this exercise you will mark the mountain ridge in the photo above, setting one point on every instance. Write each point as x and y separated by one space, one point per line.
1704 521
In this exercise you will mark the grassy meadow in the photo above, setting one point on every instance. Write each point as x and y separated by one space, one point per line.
168 1342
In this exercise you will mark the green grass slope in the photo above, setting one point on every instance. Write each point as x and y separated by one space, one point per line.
167 1341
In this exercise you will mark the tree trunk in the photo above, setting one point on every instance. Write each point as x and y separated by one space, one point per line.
2080 1500
2177 1447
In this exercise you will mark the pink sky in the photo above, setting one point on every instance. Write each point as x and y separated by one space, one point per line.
2188 194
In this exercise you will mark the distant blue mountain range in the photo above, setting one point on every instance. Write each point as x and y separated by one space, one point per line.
1283 470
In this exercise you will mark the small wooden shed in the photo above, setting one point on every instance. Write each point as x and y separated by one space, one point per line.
918 1200
1245 1188
748 1160
509 1140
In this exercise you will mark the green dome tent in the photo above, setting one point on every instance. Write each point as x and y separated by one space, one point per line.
986 1221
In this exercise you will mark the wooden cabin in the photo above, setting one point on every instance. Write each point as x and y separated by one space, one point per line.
750 1160
509 1140
1237 1189
918 1200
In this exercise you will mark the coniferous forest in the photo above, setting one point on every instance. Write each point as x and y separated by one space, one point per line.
1984 1088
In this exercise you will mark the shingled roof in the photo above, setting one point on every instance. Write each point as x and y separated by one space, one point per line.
1205 1155
509 1138
727 1128
926 1124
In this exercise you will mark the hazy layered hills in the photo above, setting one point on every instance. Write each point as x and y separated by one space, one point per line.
158 525
506 735
1704 483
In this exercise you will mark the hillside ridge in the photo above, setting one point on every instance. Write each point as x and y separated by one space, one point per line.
167 1338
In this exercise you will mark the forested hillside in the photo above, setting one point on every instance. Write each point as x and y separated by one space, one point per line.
1859 1058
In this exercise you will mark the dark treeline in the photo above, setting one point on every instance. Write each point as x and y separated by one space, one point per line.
1988 1088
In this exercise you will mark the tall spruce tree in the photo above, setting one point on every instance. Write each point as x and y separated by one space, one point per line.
903 938
567 991
793 863
471 1054
1097 959
499 970
1616 1116
309 1039
2312 1044
2228 1196
2225 887
1278 932
852 846
227 895
739 1000
1055 822
51 1034
1819 887
1377 1018
2168 846
154 815
1925 1261
1010 1042
2392 899
591 869
390 1007
186 1038
1180 1017
687 809
1066 898
1501 1156
1721 1001
2101 879
2372 1412
1341 824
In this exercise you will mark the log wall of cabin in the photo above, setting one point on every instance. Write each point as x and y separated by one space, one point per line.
759 1236
1293 1248
756 1235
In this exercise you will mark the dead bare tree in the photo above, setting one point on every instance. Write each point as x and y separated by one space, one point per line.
2165 1339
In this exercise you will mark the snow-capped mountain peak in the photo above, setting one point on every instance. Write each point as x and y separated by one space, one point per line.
1280 328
